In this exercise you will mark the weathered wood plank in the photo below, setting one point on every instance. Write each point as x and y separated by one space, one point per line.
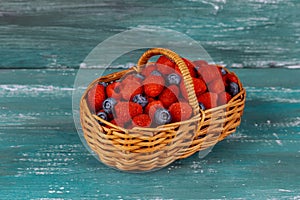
42 157
61 33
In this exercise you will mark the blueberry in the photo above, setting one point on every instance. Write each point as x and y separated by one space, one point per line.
102 115
140 76
233 88
102 83
156 73
201 106
223 71
173 79
162 116
108 105
140 99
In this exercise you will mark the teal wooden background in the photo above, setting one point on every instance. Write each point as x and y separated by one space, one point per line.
42 44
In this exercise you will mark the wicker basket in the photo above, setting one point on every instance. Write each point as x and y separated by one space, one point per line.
144 149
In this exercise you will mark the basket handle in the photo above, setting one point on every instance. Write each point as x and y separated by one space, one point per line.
187 79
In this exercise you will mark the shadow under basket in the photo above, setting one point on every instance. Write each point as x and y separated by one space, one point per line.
145 149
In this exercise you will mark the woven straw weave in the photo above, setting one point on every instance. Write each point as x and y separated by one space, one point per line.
144 149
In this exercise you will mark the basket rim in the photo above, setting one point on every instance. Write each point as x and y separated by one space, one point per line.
201 114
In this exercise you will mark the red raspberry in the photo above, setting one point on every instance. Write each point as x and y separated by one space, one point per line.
208 99
109 116
225 81
199 86
124 111
153 85
142 120
200 63
129 125
209 73
113 90
169 95
115 123
180 111
148 69
132 77
231 78
130 88
95 97
150 99
223 98
190 66
165 65
152 107
216 86
183 90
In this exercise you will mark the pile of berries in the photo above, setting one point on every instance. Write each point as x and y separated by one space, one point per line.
158 96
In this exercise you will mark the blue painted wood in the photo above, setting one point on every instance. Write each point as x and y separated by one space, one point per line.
42 157
251 33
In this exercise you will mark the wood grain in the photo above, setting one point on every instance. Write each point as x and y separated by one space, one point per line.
42 156
59 34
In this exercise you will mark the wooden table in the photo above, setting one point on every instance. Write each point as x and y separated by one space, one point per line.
42 156
42 43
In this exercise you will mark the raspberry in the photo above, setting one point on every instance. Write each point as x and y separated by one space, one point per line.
112 90
190 66
142 120
231 78
130 88
150 99
95 97
113 122
223 98
208 99
133 77
156 73
153 85
180 111
169 95
183 90
200 63
148 69
124 111
152 107
199 86
209 73
216 86
165 65
225 81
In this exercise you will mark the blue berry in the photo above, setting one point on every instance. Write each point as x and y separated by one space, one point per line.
102 83
140 99
233 88
223 71
162 116
173 79
156 73
102 115
108 105
201 106
140 76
